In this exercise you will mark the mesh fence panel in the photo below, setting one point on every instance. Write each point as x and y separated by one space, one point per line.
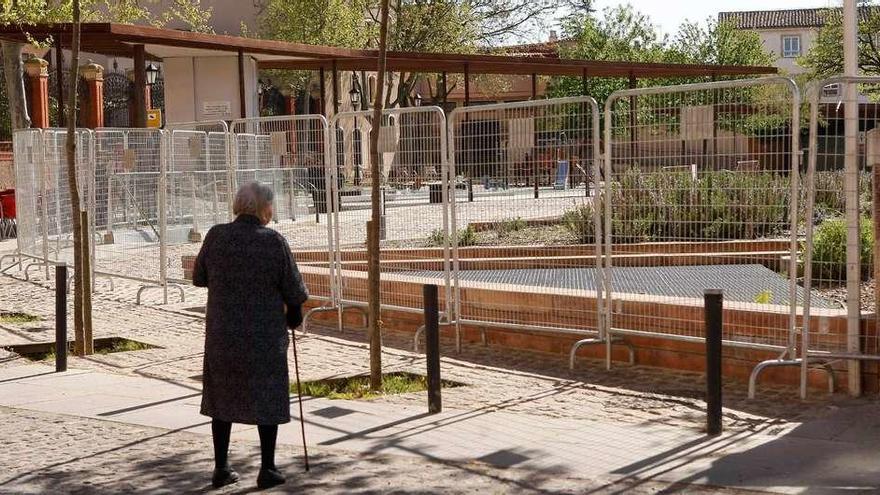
287 153
701 187
841 233
198 190
525 211
128 166
413 200
29 181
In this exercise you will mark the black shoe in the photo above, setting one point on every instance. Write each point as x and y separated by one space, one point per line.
223 477
269 478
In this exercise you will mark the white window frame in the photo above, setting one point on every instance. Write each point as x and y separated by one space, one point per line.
791 53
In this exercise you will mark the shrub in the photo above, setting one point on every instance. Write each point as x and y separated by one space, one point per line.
579 221
510 225
829 250
721 205
466 237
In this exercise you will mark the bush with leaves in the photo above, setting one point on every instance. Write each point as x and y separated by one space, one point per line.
466 237
829 250
718 205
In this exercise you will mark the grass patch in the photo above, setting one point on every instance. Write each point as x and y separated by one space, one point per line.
358 387
105 345
16 317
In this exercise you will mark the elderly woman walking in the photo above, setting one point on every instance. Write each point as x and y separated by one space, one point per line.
252 283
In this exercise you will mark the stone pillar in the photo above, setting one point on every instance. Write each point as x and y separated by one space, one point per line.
38 72
93 111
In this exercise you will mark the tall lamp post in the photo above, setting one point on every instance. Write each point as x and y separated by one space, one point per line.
355 95
152 72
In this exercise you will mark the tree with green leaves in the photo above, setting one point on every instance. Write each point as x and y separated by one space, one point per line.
24 12
624 34
825 57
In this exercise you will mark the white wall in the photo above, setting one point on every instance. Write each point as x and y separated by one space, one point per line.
772 41
196 86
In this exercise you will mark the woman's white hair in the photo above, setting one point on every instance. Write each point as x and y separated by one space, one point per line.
252 199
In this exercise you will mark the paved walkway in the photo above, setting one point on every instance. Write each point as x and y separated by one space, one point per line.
834 454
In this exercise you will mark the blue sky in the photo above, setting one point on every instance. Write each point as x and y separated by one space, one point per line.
668 14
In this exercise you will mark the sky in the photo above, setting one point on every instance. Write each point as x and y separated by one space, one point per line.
668 14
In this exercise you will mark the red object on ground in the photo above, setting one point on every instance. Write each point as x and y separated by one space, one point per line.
7 203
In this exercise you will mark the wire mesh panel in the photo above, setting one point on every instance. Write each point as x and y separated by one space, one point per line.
198 190
840 237
29 192
58 229
701 187
413 188
128 170
526 214
287 153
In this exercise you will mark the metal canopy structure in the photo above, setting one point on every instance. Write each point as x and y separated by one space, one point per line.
121 40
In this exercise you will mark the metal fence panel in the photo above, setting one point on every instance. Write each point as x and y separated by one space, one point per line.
128 171
844 157
525 210
288 153
29 182
701 187
414 225
197 193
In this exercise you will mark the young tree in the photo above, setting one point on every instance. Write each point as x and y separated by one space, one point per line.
825 57
26 12
373 237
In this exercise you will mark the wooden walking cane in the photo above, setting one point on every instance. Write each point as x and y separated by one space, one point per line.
302 422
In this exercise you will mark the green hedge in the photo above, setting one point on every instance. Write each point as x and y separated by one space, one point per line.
829 250
675 206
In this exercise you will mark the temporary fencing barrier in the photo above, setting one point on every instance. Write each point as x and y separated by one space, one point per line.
844 160
289 153
518 166
413 191
699 187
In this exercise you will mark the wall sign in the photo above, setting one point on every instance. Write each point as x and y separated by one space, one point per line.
216 109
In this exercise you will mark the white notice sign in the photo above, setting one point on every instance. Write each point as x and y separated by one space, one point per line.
216 109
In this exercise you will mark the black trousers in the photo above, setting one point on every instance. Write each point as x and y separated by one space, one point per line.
221 430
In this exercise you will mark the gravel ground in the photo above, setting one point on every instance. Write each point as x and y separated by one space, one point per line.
838 295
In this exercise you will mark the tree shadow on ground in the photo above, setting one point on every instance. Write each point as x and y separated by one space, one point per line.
681 388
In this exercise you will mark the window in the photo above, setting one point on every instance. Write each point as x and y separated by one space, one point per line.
791 46
831 91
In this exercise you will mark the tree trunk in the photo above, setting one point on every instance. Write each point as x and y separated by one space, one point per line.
373 237
80 255
13 73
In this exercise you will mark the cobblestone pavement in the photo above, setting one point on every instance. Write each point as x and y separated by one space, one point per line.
66 454
515 381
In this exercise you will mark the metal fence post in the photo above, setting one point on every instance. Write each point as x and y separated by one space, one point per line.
713 308
432 346
61 318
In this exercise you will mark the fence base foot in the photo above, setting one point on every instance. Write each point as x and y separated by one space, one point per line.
771 363
309 313
12 256
144 288
421 330
599 341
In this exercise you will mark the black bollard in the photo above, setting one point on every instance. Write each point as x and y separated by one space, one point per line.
470 186
714 300
61 317
432 347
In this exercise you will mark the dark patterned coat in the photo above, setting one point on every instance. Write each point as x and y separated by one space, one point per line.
250 275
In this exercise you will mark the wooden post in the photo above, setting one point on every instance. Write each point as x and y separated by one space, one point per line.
38 73
467 85
139 115
445 90
93 113
59 79
323 83
242 94
534 86
335 76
